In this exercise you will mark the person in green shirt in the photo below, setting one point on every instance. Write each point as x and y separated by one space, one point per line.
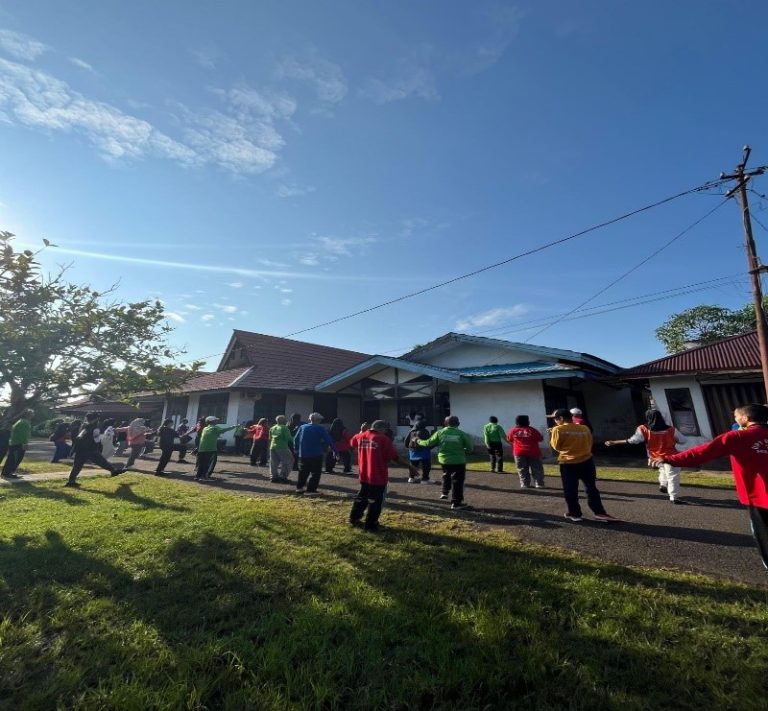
453 446
208 449
280 450
239 434
17 444
493 436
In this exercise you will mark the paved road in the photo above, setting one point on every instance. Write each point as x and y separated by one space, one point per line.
710 535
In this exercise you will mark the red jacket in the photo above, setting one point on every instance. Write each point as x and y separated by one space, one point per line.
258 432
374 451
344 443
525 441
748 450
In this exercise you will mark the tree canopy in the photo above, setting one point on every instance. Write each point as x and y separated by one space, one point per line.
705 324
59 339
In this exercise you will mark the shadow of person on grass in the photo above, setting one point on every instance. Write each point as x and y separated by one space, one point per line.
125 492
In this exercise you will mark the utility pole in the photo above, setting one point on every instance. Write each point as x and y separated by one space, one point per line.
743 176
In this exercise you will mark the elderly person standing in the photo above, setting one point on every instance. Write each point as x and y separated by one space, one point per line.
280 450
453 446
136 433
17 444
311 443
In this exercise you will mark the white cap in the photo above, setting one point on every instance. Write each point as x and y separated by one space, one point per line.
575 411
211 418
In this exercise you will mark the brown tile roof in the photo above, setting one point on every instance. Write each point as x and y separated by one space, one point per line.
220 380
285 364
734 353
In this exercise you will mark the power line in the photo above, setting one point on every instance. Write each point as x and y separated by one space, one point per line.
637 266
527 253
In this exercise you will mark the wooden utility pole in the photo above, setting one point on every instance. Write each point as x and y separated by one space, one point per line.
742 177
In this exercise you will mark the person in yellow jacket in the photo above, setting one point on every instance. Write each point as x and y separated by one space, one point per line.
573 444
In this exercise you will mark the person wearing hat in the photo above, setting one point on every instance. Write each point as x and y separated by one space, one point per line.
577 417
85 445
573 444
453 446
208 449
374 452
311 442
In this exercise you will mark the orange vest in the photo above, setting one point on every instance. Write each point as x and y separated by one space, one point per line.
659 444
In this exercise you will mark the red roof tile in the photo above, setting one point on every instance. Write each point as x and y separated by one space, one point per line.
220 380
734 353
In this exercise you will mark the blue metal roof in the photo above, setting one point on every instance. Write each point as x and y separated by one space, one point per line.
512 369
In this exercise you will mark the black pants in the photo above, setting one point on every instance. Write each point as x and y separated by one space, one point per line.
372 498
758 519
453 481
13 459
426 467
182 451
310 469
95 457
206 463
259 452
346 460
570 475
136 450
165 457
496 455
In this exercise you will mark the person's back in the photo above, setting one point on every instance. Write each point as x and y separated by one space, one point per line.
312 440
453 445
493 432
525 441
659 443
209 438
374 451
573 443
84 441
21 432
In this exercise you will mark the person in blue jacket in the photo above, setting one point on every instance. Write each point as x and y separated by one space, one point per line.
311 442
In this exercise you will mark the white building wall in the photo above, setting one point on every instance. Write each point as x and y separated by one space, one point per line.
658 385
192 407
467 356
473 403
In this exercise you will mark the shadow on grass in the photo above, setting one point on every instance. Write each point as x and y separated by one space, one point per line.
125 492
28 488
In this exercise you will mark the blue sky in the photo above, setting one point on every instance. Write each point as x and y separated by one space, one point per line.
273 165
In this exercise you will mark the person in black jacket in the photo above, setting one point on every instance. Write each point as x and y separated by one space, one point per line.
85 445
166 435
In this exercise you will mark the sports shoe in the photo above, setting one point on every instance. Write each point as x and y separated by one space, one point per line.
412 480
299 489
679 502
10 476
355 523
457 507
443 496
573 517
605 518
539 486
663 489
72 484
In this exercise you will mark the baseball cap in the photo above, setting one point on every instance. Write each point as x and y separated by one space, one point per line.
211 418
575 411
560 412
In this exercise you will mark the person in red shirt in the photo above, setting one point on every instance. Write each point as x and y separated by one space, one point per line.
342 442
748 450
260 447
526 451
374 451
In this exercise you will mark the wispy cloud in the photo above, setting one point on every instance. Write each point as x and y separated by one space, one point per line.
326 79
309 260
193 307
410 80
235 284
227 308
82 64
491 317
21 46
175 317
341 247
288 191
206 57
286 302
503 25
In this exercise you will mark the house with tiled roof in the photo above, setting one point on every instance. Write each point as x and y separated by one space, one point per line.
265 376
698 388
474 377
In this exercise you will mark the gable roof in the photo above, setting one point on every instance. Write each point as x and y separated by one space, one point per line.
274 363
451 340
737 353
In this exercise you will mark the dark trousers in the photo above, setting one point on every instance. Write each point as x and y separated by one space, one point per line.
330 461
4 436
13 459
182 451
206 462
136 450
259 452
81 458
310 469
496 455
61 451
426 467
372 498
570 475
453 481
758 519
346 460
165 457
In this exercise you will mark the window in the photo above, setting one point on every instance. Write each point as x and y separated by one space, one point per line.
682 411
269 405
326 405
215 404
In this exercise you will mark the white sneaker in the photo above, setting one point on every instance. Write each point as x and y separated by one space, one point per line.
411 480
443 496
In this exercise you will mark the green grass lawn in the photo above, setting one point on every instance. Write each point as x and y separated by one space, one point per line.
136 593
714 480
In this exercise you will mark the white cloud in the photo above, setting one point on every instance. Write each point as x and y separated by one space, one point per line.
341 247
503 26
271 263
206 58
491 318
286 291
235 284
192 307
326 78
286 302
175 317
207 317
82 64
287 191
227 308
411 225
309 260
21 46
411 80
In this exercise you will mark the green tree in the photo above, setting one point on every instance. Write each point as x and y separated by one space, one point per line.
705 324
58 339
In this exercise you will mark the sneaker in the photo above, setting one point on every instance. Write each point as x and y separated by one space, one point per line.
605 518
300 489
679 502
539 486
526 486
160 473
443 496
663 489
373 529
355 523
412 480
573 517
459 506
182 461
73 484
